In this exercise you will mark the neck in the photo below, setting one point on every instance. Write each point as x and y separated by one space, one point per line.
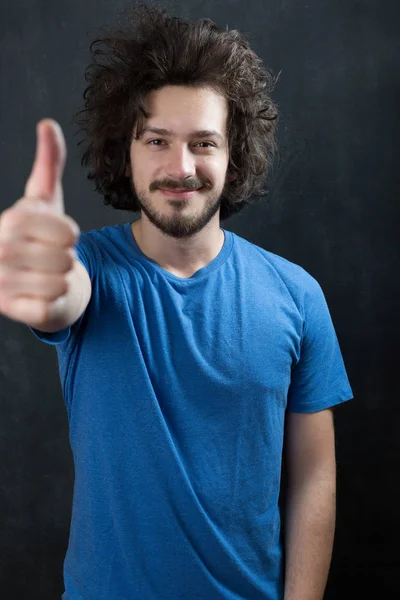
182 257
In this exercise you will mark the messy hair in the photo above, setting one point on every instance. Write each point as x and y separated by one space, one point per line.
153 50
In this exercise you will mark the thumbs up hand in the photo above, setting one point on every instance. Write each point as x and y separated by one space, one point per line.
45 179
37 238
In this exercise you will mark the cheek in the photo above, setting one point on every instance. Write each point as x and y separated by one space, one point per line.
147 167
142 171
213 166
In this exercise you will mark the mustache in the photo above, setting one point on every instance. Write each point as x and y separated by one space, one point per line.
191 183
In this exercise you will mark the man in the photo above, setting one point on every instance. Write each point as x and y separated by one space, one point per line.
190 359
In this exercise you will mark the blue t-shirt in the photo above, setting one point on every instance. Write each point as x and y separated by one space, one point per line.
176 391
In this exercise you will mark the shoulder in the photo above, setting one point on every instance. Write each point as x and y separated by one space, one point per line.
298 282
109 234
98 247
103 240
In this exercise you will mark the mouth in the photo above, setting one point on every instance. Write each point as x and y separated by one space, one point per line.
180 193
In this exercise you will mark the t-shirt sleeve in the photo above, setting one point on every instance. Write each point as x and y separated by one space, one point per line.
85 255
319 379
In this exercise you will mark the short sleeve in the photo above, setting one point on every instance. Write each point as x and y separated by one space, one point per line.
319 379
85 255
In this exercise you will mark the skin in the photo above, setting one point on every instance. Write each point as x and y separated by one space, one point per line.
311 503
182 234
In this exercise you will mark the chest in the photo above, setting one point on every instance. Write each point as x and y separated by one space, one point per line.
234 335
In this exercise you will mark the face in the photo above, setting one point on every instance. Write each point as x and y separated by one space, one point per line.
179 161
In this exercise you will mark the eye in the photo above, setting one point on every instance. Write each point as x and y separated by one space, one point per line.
206 145
152 142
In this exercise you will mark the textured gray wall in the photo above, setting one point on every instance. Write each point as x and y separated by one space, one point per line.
333 207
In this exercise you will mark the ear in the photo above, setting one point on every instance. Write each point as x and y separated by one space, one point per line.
231 176
128 170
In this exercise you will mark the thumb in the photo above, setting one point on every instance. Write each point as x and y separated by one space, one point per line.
44 181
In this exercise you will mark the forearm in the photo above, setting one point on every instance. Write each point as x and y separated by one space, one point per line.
67 309
309 535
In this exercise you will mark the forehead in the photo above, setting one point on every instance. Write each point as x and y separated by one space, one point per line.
182 109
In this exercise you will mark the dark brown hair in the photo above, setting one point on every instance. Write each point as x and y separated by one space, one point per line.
150 51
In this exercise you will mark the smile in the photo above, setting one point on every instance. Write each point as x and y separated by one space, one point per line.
179 193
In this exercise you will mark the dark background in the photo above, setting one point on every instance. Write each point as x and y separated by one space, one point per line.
333 208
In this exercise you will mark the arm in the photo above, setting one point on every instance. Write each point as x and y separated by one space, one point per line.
67 309
310 504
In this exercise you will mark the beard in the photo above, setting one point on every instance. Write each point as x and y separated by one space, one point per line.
179 225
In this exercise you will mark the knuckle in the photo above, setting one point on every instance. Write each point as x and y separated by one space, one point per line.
4 278
7 251
12 219
68 263
61 262
72 255
32 204
73 227
59 288
64 286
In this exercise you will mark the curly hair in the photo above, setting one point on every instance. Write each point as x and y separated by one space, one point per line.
153 50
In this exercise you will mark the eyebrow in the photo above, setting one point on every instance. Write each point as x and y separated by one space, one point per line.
203 133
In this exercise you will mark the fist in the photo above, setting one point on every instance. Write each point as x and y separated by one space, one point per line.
36 237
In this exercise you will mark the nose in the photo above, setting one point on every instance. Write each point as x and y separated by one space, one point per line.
181 162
